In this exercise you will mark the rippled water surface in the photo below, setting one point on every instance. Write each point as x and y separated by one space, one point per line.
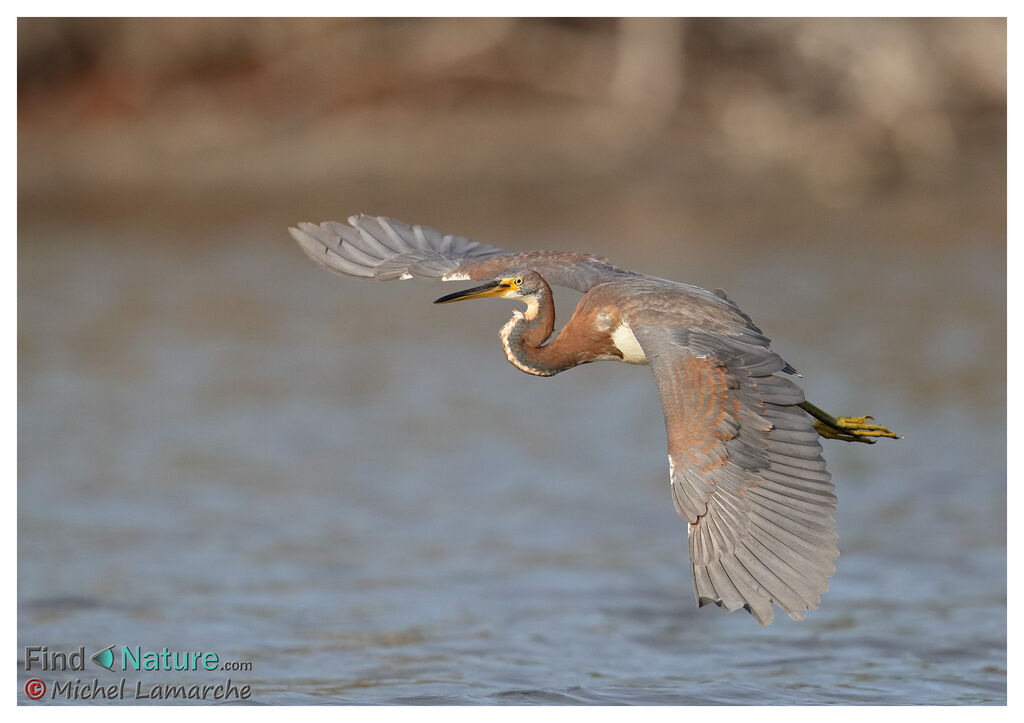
222 447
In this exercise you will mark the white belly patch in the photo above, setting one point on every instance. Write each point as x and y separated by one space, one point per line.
626 342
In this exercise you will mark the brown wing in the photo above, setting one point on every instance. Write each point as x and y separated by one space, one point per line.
384 249
746 472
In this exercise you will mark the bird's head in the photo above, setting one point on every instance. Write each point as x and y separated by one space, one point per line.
523 285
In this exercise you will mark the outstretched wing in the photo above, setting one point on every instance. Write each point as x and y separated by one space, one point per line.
384 249
746 472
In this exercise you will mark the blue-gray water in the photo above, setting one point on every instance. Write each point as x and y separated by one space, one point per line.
224 448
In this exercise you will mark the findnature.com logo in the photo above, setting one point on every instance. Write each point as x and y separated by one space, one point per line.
38 658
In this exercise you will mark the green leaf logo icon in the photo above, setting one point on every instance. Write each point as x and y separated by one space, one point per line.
104 658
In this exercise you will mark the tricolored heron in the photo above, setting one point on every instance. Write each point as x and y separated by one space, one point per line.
745 463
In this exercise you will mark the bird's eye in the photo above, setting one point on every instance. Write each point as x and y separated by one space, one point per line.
519 282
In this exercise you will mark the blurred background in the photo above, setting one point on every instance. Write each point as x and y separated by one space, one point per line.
222 447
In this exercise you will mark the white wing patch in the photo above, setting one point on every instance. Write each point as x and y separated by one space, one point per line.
625 342
455 276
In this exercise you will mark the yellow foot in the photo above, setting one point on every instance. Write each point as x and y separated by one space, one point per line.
853 429
848 429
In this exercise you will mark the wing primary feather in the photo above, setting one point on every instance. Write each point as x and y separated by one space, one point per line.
794 506
804 438
372 243
803 463
779 447
421 237
351 268
324 256
810 475
815 569
400 242
446 243
783 595
819 498
806 485
811 530
703 588
727 592
751 589
351 251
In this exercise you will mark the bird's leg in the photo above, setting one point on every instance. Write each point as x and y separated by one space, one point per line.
848 429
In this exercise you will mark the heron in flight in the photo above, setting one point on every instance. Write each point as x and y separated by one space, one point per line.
745 464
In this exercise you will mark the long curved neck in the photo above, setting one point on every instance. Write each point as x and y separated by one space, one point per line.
524 335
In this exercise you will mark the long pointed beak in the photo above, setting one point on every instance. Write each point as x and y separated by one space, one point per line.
491 288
